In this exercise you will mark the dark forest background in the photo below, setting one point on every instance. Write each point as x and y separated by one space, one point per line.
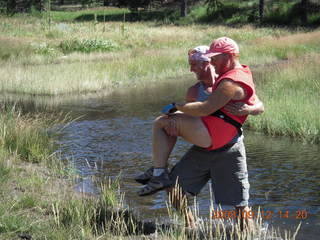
275 12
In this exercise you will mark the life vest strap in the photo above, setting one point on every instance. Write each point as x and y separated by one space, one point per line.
228 119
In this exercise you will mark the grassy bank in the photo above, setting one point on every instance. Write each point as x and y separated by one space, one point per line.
27 187
38 200
291 94
76 57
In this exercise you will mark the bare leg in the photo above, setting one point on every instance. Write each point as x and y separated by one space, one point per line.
190 128
162 143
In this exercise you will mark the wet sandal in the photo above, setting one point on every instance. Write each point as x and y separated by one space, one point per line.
145 177
156 184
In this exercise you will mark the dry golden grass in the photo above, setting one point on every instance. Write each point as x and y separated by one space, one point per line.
292 39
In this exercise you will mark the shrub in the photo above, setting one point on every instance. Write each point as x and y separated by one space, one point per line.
43 48
88 45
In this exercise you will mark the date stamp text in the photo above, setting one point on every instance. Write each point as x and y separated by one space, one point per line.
264 214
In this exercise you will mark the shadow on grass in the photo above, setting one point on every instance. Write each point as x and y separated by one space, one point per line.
232 13
168 15
284 15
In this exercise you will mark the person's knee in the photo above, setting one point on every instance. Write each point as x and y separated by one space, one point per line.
160 121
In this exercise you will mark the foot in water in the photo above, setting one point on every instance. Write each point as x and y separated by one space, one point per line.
156 183
145 177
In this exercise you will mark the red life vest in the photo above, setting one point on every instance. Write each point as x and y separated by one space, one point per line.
222 132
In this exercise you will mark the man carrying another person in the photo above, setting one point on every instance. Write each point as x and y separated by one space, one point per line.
211 119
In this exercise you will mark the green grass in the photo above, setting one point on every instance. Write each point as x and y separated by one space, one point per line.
25 202
87 45
18 141
4 173
99 14
14 223
291 96
20 135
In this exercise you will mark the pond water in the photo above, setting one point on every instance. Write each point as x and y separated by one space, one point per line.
113 136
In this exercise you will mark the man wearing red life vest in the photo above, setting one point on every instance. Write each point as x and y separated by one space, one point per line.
211 127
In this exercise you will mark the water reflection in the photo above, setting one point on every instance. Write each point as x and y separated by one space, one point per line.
283 171
138 100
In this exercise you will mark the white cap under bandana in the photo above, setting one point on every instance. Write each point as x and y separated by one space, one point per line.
201 49
196 54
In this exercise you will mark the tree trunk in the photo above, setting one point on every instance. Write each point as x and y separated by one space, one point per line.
261 10
304 11
40 5
184 8
11 6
